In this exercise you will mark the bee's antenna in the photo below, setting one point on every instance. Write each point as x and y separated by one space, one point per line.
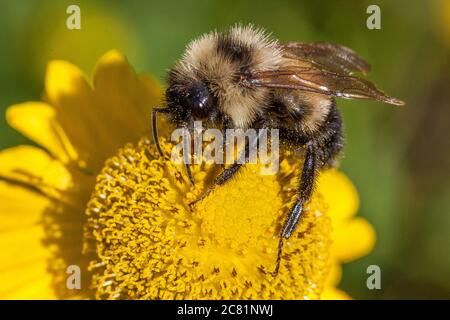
156 110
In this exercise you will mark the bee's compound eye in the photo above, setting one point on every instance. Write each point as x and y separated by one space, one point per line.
200 100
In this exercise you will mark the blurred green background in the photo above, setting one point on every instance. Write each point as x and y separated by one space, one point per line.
398 158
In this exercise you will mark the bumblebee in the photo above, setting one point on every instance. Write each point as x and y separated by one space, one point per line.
243 78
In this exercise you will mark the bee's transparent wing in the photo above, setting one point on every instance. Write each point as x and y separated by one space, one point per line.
309 78
330 56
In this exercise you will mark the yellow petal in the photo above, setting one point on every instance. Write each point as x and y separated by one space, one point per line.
39 238
21 247
37 121
34 167
116 87
27 282
69 125
335 275
331 293
98 121
20 207
21 231
339 193
38 288
150 90
353 240
63 80
69 93
23 256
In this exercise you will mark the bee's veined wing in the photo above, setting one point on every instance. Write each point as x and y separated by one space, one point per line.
307 77
330 56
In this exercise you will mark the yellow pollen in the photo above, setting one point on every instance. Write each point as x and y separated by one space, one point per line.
146 242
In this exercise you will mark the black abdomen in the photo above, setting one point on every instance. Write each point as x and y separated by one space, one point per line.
328 138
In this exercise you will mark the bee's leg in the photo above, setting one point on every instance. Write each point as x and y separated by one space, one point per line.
304 192
229 172
223 177
187 157
307 179
187 146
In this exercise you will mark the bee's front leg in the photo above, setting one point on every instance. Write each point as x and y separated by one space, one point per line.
187 134
223 177
230 172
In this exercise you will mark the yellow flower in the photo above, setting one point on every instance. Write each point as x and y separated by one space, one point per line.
148 243
136 237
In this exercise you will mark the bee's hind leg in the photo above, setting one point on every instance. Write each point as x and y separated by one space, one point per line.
306 186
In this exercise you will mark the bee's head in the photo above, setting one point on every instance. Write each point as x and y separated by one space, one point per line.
190 100
206 81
